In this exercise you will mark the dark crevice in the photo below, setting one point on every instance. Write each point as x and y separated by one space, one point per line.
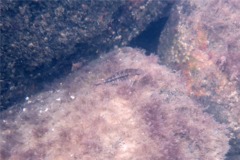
149 38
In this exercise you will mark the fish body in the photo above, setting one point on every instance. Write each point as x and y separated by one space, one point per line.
122 75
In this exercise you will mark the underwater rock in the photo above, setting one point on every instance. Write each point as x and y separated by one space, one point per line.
41 38
143 116
202 41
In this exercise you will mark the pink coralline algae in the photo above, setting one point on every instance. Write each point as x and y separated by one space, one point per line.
152 118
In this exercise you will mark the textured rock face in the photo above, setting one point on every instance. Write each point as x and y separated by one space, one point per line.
142 116
39 38
202 39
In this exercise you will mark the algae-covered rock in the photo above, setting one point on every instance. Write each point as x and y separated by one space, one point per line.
41 38
202 40
132 115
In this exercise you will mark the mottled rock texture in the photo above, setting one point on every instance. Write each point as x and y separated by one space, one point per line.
202 40
41 39
142 117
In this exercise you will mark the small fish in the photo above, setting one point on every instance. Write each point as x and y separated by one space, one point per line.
121 75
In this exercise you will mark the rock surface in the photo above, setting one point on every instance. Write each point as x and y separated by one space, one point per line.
202 41
41 39
144 116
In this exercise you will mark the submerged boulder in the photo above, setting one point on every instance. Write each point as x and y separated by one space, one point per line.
42 39
142 115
